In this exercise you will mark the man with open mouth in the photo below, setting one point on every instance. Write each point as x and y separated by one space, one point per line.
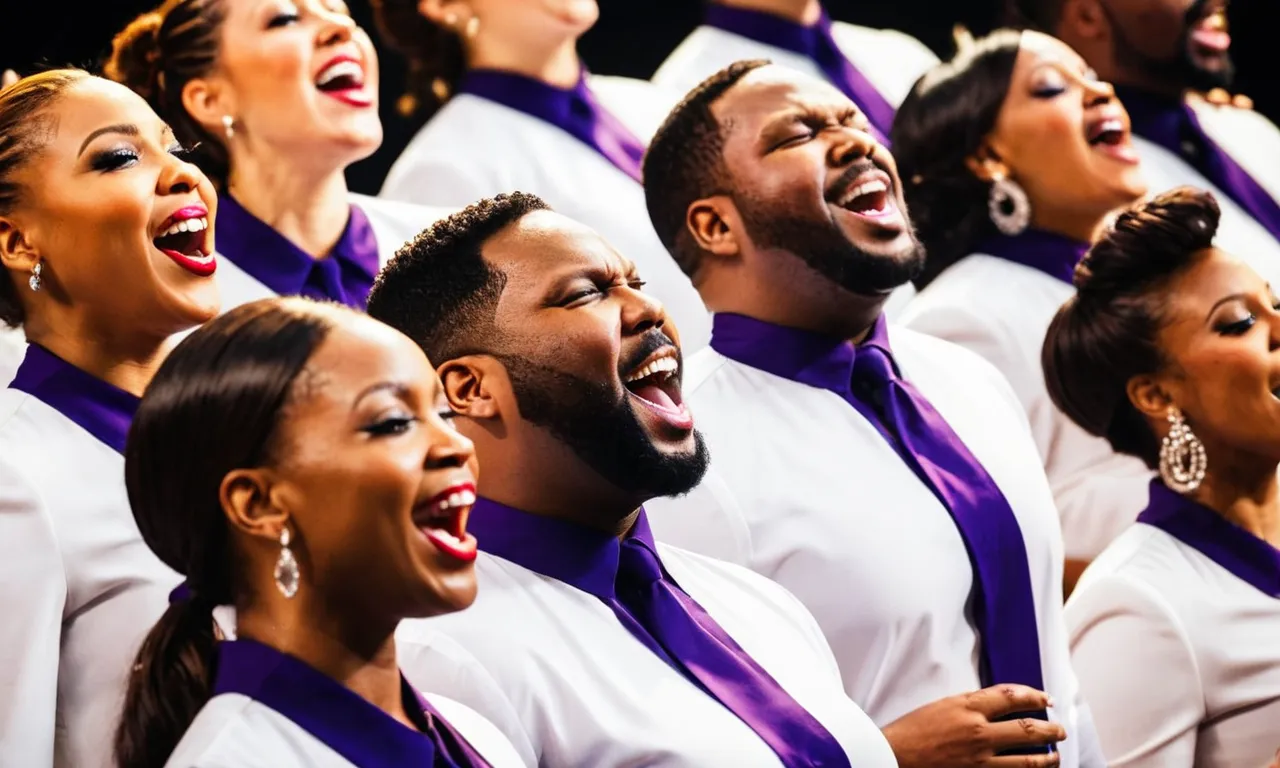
886 478
1159 54
589 644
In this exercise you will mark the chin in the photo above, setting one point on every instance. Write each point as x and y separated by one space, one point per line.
446 593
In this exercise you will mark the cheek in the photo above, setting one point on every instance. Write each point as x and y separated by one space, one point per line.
589 346
97 229
1046 145
272 75
1229 381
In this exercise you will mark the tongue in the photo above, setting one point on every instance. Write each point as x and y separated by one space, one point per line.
1213 39
658 396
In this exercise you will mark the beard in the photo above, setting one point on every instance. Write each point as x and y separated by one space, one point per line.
825 249
1182 69
602 430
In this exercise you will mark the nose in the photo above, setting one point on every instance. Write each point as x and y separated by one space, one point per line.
851 145
641 312
335 28
449 448
178 177
1098 93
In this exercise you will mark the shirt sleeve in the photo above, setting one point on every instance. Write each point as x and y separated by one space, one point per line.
435 663
33 592
1137 668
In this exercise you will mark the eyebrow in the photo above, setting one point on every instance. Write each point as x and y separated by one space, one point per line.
126 129
1224 300
397 388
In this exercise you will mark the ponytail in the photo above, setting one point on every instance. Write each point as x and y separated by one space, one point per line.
172 679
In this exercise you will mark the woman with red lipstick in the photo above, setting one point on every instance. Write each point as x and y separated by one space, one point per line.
511 106
328 500
281 97
1012 154
104 235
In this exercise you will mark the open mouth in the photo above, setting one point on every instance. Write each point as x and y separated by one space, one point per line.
343 79
1209 36
656 384
442 519
870 196
1110 135
185 240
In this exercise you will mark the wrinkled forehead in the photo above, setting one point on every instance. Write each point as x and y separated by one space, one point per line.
771 94
544 248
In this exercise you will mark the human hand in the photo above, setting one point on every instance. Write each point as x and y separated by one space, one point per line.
966 731
1221 98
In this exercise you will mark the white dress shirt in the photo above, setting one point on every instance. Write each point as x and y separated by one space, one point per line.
1251 139
294 717
1001 310
475 148
806 491
79 587
1179 656
555 669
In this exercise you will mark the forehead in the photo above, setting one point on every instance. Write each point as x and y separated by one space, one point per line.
360 352
94 103
772 92
1213 275
544 246
1037 49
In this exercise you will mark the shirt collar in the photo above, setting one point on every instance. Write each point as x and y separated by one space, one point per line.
337 716
276 262
101 409
1053 254
1246 556
584 558
825 362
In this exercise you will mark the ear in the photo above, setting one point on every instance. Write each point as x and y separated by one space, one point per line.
16 251
445 13
1149 397
466 383
208 100
251 501
1083 20
986 164
713 223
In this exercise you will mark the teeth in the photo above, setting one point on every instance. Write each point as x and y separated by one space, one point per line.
865 188
341 69
664 364
186 225
457 499
447 535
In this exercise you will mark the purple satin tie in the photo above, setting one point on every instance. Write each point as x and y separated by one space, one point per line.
816 43
1174 125
647 600
1003 604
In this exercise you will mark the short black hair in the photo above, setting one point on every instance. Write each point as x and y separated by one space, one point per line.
1040 15
1109 331
685 162
438 290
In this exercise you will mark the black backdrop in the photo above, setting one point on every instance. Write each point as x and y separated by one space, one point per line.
631 38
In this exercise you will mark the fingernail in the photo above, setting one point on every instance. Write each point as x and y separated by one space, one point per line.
1050 698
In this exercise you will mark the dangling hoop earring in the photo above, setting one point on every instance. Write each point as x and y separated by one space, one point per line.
1008 206
34 281
229 126
1182 457
286 567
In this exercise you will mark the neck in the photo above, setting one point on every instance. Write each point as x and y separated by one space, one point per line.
1080 226
815 305
1245 491
554 62
128 363
308 206
358 652
804 12
534 472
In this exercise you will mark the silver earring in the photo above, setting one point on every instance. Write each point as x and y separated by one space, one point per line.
286 567
1008 206
229 126
34 282
472 27
1182 457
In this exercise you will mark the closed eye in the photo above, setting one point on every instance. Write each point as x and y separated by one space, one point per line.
184 153
114 159
1238 328
392 425
282 20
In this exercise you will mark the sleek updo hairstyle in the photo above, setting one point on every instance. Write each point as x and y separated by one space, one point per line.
434 54
158 54
228 383
942 123
23 133
1107 333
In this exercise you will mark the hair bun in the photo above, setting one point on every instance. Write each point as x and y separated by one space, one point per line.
135 55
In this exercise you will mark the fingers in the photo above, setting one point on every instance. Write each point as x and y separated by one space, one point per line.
1000 700
1025 761
1025 732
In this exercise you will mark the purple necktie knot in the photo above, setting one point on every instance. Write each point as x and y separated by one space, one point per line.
872 368
638 566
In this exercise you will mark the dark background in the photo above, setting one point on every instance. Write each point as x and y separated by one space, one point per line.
632 38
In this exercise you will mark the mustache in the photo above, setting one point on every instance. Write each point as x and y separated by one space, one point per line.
651 342
851 174
1200 9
